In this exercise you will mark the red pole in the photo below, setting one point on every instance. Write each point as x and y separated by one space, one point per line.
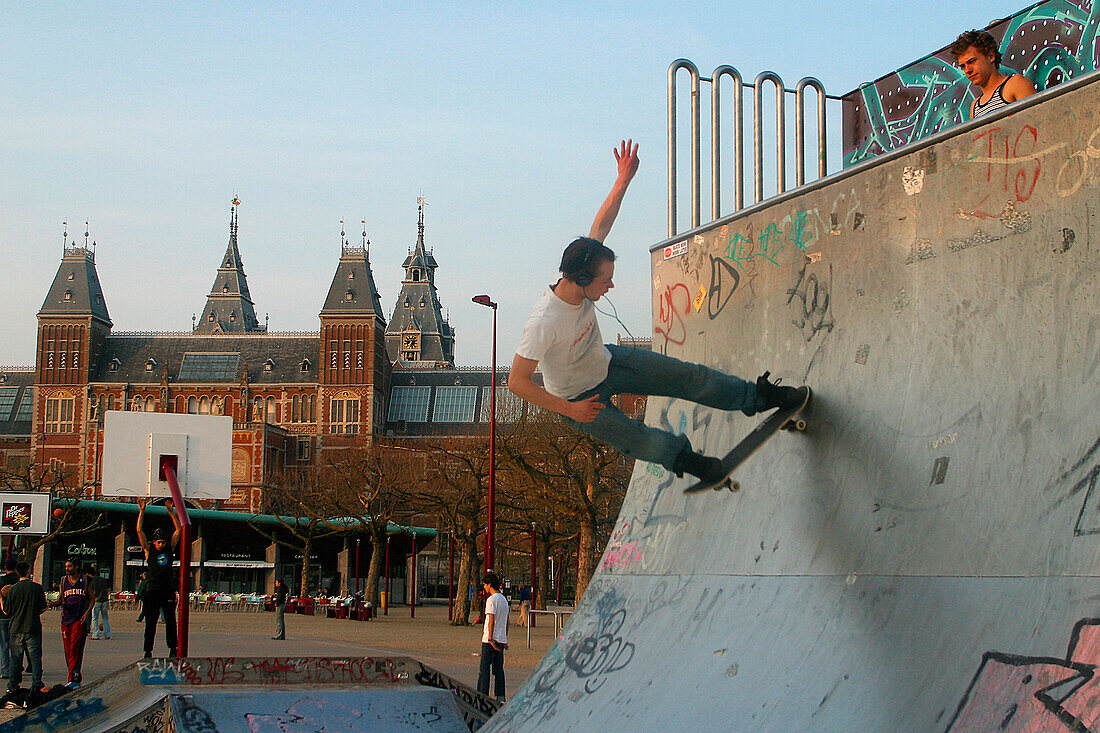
185 556
490 536
451 580
386 584
412 581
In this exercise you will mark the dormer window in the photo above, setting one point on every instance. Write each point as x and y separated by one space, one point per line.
416 276
349 295
233 317
225 288
351 276
422 302
71 276
68 296
407 303
304 366
269 365
150 364
114 365
211 317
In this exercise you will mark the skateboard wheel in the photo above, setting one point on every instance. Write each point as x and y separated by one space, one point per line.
799 425
735 486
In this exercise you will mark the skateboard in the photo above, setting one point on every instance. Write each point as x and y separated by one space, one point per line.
783 419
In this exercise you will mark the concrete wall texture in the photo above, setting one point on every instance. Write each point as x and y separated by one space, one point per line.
924 557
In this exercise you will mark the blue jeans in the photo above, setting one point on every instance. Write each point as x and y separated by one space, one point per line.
491 660
643 372
31 645
101 621
5 644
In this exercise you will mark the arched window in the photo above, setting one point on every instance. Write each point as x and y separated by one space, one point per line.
193 405
258 409
296 409
150 404
204 406
269 413
313 408
137 404
110 402
344 414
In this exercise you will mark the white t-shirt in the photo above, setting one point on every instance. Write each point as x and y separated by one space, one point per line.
497 605
565 340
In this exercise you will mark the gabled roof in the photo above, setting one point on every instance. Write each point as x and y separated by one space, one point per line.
353 292
229 307
76 290
130 354
16 401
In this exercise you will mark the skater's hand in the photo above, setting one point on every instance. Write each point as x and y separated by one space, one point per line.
586 410
626 158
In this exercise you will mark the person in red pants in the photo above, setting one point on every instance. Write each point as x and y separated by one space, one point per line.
76 611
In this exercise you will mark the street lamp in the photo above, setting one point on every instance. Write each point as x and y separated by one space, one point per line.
489 533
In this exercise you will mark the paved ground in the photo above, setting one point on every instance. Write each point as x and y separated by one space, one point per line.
429 638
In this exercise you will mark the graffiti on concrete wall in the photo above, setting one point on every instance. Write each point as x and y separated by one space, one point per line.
1049 43
1020 693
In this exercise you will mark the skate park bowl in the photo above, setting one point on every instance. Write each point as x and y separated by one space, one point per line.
265 695
924 556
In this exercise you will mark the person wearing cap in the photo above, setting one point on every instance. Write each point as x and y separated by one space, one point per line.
162 579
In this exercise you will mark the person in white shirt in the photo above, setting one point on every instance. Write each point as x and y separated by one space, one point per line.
581 373
494 637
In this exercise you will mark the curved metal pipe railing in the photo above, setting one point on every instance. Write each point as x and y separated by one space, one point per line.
715 140
800 128
739 136
758 133
694 72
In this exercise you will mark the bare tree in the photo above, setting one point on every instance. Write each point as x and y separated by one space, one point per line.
72 520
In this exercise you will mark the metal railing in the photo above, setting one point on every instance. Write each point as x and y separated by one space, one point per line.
739 134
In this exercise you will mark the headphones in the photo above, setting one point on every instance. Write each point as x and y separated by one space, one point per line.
582 274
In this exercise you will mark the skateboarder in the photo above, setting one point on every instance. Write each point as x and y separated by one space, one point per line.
581 373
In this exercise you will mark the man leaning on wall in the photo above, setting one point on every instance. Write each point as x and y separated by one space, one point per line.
978 56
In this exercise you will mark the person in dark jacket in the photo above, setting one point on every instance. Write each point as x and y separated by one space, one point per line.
162 579
24 602
281 593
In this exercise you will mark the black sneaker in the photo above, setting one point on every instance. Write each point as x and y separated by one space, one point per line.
701 467
770 395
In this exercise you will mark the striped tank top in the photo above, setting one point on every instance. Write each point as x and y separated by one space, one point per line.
996 102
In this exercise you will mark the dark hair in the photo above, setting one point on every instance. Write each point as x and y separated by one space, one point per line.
982 41
10 563
582 258
23 569
490 579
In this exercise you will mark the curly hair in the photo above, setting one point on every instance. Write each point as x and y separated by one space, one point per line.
982 41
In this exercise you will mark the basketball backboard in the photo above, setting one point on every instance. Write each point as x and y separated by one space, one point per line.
23 513
134 442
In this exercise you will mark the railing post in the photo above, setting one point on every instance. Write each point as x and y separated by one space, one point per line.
694 73
758 133
715 140
800 128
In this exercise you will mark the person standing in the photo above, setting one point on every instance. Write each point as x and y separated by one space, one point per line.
101 601
162 580
25 601
76 610
524 604
9 577
280 594
494 638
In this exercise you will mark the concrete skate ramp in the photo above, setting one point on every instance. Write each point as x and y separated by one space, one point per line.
297 694
261 710
925 556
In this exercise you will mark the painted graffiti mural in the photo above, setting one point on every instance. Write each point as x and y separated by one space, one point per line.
1019 693
1049 43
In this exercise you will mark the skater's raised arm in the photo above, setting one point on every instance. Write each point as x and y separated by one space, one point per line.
142 540
520 382
626 158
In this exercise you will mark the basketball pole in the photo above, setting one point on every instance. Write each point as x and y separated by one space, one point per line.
185 554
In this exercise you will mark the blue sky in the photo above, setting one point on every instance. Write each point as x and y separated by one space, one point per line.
147 121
